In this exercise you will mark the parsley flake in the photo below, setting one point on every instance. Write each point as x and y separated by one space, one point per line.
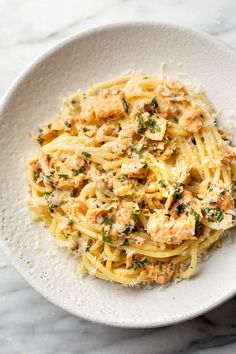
86 154
138 264
104 236
122 179
176 119
107 221
68 126
140 124
154 127
126 242
154 103
79 170
63 176
162 182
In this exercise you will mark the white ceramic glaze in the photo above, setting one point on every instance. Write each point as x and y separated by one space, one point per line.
99 55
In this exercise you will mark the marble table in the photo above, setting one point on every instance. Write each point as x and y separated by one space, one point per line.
29 324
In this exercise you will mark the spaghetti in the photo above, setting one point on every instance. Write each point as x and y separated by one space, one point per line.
135 179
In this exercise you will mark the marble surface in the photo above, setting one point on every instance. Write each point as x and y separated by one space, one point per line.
28 323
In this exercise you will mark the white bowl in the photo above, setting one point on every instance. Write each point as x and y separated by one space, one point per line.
101 54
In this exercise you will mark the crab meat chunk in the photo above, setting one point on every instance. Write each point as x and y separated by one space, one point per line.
229 156
160 275
121 145
119 184
135 169
51 130
124 216
226 202
192 119
108 129
109 105
96 214
166 229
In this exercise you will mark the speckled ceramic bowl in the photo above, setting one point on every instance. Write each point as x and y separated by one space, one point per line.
101 54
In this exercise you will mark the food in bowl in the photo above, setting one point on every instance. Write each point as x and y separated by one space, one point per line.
135 179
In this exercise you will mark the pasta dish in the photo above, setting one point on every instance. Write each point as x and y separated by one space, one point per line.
135 179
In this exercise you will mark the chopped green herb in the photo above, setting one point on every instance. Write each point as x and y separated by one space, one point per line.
182 208
177 191
139 152
40 130
202 139
40 140
87 249
35 175
143 181
159 266
52 207
86 154
140 124
177 187
212 214
219 216
154 102
162 182
126 242
165 140
176 119
107 221
207 213
68 126
122 179
143 204
125 104
127 230
104 236
65 177
138 264
195 214
154 127
49 179
145 165
79 170
47 194
49 126
135 214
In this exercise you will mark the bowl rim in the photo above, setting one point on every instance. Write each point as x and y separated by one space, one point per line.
3 105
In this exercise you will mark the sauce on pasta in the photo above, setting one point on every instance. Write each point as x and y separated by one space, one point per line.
135 179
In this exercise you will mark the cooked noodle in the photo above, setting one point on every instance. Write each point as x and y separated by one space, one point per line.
135 179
